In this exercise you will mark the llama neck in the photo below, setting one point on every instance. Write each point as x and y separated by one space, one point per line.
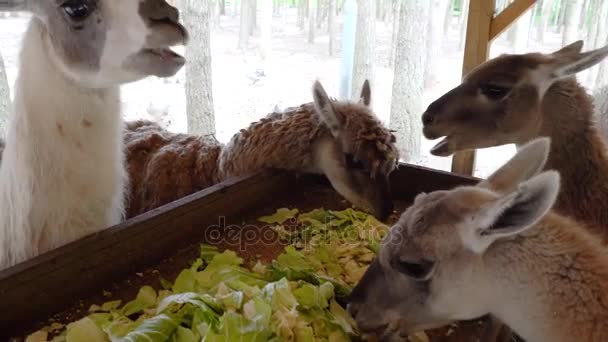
577 152
553 283
63 162
58 118
280 140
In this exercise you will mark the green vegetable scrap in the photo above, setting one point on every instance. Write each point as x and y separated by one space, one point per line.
334 245
295 298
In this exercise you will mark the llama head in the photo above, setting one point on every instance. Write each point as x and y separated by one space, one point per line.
499 102
102 43
430 267
358 153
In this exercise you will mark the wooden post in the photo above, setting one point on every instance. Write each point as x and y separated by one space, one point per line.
482 28
508 16
476 51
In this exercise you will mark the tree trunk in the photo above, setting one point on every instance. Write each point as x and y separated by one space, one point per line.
600 100
602 75
253 16
395 33
501 4
436 22
464 13
331 25
379 8
301 13
365 41
266 29
447 21
214 6
406 104
559 25
222 7
199 91
518 34
591 33
235 8
388 10
583 15
571 20
320 13
5 100
545 15
311 22
598 39
244 26
276 7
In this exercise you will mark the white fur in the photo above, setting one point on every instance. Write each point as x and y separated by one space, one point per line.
62 175
55 188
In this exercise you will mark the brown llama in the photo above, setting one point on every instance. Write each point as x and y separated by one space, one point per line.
341 139
513 99
474 250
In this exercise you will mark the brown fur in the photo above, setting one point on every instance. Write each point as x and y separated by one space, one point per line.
570 267
164 166
564 113
578 153
271 143
502 253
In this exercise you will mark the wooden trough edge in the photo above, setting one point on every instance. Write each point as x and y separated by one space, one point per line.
45 285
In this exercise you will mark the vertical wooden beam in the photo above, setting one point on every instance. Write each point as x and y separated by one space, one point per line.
476 51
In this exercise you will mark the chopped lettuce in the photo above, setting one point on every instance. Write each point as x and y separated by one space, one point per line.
280 216
85 330
295 298
159 328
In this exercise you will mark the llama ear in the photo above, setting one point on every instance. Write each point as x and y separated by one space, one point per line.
366 94
571 48
325 109
569 60
527 163
513 213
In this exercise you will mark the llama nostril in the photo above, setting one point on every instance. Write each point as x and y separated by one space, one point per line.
427 118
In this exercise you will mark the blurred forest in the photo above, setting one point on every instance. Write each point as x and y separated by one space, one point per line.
401 46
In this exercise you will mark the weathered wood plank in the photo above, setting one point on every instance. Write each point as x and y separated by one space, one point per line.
411 180
49 283
35 290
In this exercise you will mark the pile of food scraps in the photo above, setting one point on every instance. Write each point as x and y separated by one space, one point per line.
295 298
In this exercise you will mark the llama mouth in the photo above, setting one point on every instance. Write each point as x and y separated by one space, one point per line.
442 148
156 61
166 54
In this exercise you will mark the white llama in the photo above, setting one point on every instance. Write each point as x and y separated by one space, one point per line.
62 175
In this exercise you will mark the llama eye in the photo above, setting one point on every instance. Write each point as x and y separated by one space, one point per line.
494 92
421 271
77 10
352 163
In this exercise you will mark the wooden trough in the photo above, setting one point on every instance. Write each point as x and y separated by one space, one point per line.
113 264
